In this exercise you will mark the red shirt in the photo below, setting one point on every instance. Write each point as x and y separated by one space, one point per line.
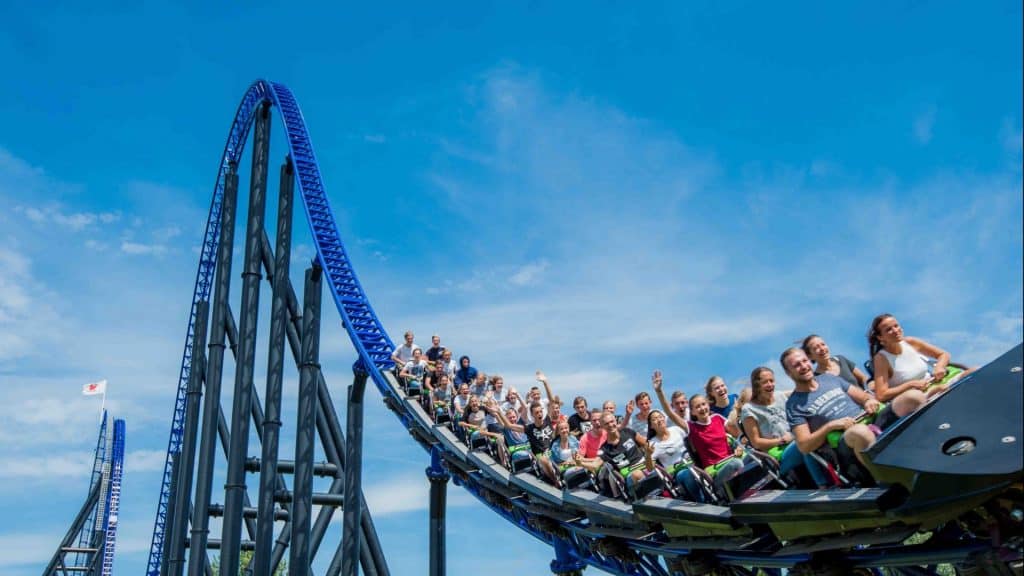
589 445
710 440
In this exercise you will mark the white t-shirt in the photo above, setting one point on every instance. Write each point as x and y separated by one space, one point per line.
670 451
416 370
404 352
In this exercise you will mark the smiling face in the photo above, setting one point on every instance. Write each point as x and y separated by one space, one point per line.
656 421
608 407
608 422
435 340
563 428
699 408
679 403
644 403
818 349
716 389
555 410
889 331
464 389
764 386
580 406
798 366
408 338
595 419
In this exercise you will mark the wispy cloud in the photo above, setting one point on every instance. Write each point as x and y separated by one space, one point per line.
144 461
54 467
651 247
405 494
25 310
73 221
140 249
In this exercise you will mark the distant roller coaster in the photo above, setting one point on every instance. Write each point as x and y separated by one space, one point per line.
87 548
968 501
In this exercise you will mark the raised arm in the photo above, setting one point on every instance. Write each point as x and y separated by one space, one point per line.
630 405
547 388
659 390
495 410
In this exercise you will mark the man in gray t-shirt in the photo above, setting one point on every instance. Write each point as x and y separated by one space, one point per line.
816 408
820 405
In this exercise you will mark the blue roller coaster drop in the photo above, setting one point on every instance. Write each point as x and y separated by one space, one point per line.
941 473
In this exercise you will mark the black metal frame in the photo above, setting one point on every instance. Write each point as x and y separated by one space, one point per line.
301 534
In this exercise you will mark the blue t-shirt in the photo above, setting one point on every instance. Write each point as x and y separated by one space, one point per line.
829 402
726 410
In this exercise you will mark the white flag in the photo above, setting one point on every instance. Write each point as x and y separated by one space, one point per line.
93 388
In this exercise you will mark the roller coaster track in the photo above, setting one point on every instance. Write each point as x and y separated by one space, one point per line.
89 545
583 529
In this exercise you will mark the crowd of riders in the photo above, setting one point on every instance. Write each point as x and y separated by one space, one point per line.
709 448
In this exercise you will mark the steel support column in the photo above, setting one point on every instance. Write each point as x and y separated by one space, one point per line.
438 476
275 373
76 526
351 515
565 562
186 458
305 431
172 503
234 487
197 560
333 441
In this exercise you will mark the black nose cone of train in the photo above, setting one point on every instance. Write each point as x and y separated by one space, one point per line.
964 445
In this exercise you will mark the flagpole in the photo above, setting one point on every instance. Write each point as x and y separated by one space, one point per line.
103 403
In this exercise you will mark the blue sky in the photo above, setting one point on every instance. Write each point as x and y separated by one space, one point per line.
594 190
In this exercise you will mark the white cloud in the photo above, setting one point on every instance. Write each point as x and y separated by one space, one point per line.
140 249
924 125
528 274
145 461
72 221
54 467
650 249
25 310
405 494
26 548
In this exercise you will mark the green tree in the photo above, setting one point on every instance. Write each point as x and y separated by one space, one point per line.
244 558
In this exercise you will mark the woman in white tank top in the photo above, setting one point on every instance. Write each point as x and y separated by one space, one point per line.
901 363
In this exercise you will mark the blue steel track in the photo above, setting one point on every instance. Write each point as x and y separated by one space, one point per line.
574 539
